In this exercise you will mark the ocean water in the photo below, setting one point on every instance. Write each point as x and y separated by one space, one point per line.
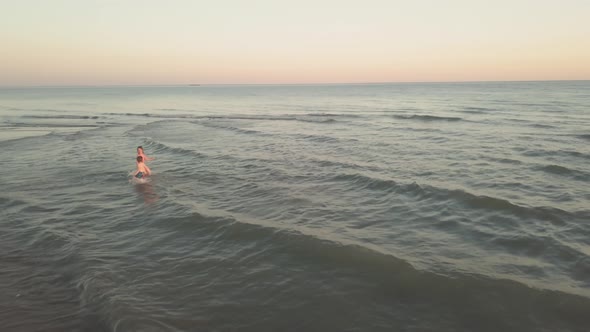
377 207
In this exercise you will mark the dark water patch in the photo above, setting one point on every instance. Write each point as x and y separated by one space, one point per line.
143 115
428 118
424 130
55 306
479 109
471 112
584 137
12 205
342 115
38 280
581 271
38 209
559 154
564 171
517 120
556 169
542 126
316 120
576 154
435 139
7 202
251 117
504 160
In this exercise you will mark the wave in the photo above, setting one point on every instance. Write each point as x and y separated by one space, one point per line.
542 126
477 110
232 128
564 171
575 154
425 192
329 120
545 247
517 120
343 164
50 130
427 118
586 137
261 165
556 169
394 277
68 117
306 137
47 125
555 153
284 258
331 115
12 140
288 117
481 109
174 110
160 147
318 138
504 160
157 147
47 110
8 203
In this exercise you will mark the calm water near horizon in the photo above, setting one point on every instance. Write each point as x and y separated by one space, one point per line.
375 207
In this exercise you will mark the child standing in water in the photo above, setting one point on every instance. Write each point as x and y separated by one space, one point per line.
140 153
142 169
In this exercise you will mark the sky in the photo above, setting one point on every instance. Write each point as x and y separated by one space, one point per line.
152 42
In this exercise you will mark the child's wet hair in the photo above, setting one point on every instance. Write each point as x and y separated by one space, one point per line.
140 147
139 159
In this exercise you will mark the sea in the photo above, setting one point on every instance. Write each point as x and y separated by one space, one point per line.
343 207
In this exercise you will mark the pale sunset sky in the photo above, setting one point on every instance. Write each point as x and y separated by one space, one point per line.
145 42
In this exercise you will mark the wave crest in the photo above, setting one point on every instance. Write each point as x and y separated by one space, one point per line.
427 117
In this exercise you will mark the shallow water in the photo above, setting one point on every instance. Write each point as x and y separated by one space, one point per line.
415 207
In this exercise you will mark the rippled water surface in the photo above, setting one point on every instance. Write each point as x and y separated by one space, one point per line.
409 207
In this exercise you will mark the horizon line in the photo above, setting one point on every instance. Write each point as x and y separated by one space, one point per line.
285 84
